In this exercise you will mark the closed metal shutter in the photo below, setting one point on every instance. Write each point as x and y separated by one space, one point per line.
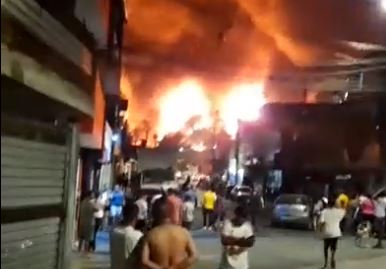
32 184
30 244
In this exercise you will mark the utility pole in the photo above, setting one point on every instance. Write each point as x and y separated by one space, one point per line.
237 152
361 77
214 139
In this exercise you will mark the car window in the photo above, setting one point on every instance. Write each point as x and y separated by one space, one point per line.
150 191
292 200
244 189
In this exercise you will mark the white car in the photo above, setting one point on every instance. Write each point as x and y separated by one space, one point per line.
241 192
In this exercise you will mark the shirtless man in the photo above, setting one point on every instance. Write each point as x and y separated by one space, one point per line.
167 246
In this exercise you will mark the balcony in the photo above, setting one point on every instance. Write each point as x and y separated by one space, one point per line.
45 54
33 31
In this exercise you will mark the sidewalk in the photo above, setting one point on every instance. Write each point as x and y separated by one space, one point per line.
98 260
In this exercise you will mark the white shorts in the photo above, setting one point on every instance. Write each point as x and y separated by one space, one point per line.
115 211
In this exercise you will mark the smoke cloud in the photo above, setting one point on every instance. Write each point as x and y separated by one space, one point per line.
223 41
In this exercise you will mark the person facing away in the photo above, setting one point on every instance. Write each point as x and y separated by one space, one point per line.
189 192
342 200
208 206
124 238
99 213
237 236
143 212
319 206
116 204
380 217
167 245
329 221
219 208
188 213
255 205
367 208
86 222
174 204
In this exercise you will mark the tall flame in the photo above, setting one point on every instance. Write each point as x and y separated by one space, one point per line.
182 103
188 101
243 102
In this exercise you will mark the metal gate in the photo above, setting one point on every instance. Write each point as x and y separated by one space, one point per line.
32 203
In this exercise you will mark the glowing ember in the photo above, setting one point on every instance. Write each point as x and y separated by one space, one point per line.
242 103
180 105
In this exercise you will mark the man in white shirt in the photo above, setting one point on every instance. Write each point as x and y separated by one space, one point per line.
330 219
98 215
188 212
124 238
380 215
237 237
142 213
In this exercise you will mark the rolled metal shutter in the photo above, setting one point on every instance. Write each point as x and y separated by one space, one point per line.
32 177
30 244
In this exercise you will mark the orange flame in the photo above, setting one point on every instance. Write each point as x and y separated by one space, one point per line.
188 100
182 103
243 102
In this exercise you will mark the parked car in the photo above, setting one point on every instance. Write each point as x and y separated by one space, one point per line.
293 209
241 192
151 192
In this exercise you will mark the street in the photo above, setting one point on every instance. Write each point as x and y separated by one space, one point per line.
274 248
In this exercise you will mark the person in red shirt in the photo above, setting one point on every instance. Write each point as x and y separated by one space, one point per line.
174 205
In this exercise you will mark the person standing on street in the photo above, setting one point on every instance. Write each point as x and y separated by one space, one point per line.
330 219
189 192
255 206
219 211
342 202
380 215
86 222
99 216
104 199
237 237
116 204
142 213
208 205
167 245
174 204
188 213
320 205
124 238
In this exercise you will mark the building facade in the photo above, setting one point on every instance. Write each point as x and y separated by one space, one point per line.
53 123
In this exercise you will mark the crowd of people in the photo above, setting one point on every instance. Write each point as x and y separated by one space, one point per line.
143 228
98 211
168 242
332 215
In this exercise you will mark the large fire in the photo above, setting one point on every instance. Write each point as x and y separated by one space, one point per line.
188 101
178 106
243 103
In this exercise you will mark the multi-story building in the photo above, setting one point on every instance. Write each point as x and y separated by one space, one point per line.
53 104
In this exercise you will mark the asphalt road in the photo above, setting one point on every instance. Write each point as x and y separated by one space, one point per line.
274 248
290 249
